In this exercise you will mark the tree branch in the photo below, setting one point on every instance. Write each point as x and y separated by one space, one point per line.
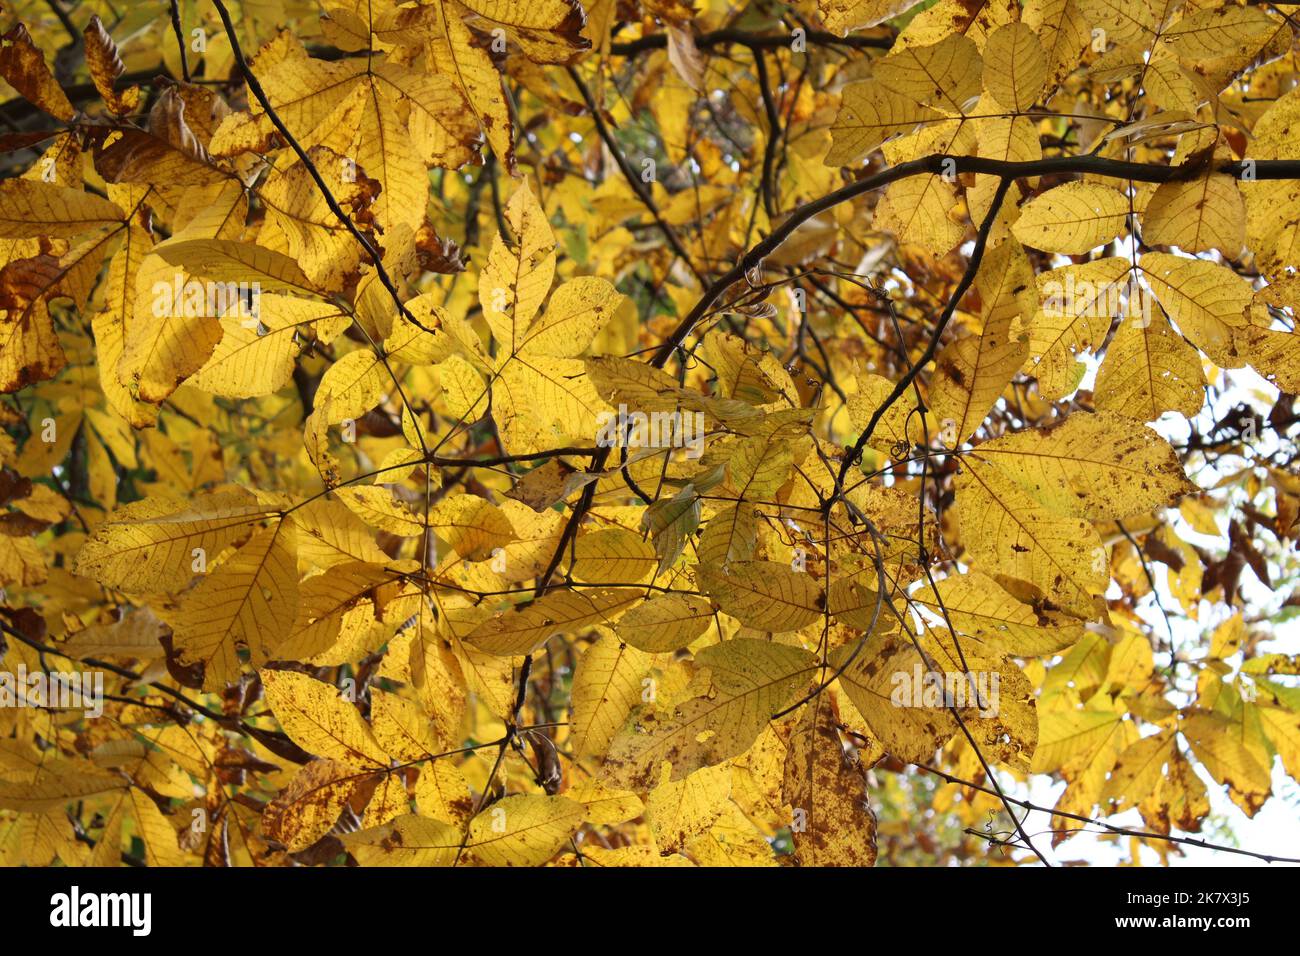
1098 165
180 38
642 191
255 87
967 279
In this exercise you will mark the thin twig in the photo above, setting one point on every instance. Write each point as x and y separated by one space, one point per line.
180 38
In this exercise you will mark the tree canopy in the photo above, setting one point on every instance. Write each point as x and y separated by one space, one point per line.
645 432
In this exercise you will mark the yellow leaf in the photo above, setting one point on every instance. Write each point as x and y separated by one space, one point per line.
351 386
225 260
156 832
607 684
873 678
827 789
134 636
978 606
1225 750
1063 31
1131 662
523 830
1069 738
944 75
473 526
173 330
441 128
542 402
1274 354
22 65
995 698
256 354
1208 34
666 622
613 556
869 115
54 789
1180 799
309 805
329 535
324 606
442 793
679 811
1149 369
514 283
1072 218
843 16
959 18
731 841
523 630
1206 300
110 326
402 729
891 429
730 535
765 595
1283 730
1138 771
973 371
35 208
1006 531
1015 66
1203 214
605 807
1075 312
1090 466
1124 22
377 506
761 464
751 681
45 837
409 840
918 210
456 53
153 545
247 601
319 719
576 312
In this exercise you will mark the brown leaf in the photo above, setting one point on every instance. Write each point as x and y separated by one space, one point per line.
106 66
832 824
23 66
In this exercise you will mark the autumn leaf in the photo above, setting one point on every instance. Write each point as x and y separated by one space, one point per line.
750 681
463 433
320 720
